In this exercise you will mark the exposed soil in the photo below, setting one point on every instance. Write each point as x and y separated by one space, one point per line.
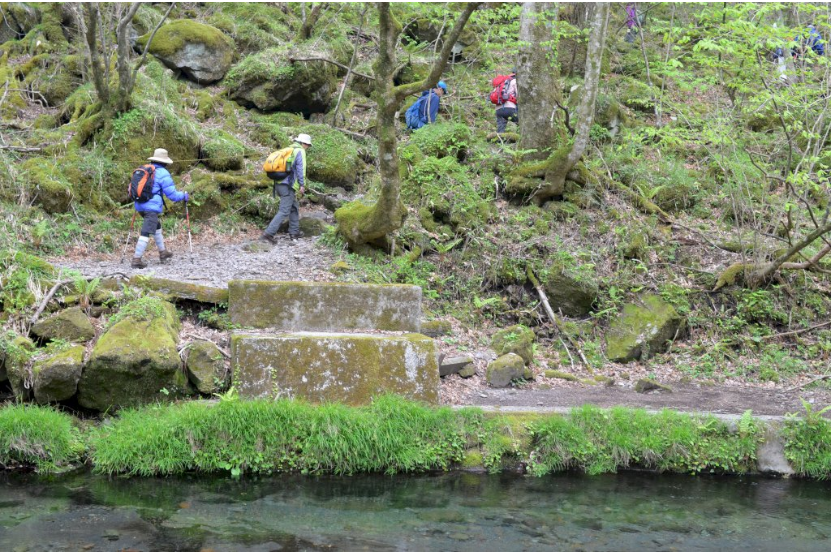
216 260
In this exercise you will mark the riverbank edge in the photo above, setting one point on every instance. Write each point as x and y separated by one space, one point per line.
394 435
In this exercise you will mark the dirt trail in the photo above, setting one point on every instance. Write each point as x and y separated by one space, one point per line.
215 265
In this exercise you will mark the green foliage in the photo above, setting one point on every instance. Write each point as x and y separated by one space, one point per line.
141 309
442 140
21 275
38 437
809 442
601 441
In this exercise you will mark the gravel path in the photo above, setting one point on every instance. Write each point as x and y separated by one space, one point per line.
216 265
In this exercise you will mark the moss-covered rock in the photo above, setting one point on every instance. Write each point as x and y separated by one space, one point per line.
517 339
570 292
201 52
56 377
642 329
349 368
333 158
502 370
268 81
18 352
222 152
69 325
48 184
442 140
20 18
436 328
135 362
182 290
206 367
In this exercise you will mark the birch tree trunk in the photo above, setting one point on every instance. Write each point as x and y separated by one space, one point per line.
370 224
538 89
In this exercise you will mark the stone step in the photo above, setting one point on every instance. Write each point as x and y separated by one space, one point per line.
324 307
334 367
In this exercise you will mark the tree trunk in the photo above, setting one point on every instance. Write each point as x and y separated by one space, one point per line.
309 21
361 224
96 66
564 159
125 75
538 89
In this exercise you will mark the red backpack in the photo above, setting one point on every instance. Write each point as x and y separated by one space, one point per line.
499 95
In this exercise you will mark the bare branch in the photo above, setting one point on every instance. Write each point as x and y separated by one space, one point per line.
341 65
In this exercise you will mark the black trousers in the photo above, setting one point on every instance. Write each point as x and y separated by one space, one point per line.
504 115
151 224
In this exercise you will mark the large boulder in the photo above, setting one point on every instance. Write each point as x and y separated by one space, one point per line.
502 370
570 293
19 19
68 325
135 361
516 339
333 159
268 81
56 377
206 367
642 329
201 52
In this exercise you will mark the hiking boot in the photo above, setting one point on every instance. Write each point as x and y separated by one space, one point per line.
269 239
297 236
137 262
164 255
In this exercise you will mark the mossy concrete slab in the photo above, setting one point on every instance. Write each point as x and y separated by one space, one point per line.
329 367
324 307
182 290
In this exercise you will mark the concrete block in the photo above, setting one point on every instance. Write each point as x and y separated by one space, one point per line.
324 367
324 307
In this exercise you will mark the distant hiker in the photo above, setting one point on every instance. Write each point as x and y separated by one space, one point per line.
504 96
148 184
632 22
811 40
424 111
290 162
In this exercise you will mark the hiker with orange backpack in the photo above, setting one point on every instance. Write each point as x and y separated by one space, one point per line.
147 185
287 167
504 96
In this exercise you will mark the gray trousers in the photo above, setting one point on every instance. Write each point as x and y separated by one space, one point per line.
289 208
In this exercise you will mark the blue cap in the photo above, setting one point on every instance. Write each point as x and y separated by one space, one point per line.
442 85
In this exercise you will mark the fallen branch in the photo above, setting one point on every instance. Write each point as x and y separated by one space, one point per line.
551 314
46 300
795 332
21 148
341 65
810 382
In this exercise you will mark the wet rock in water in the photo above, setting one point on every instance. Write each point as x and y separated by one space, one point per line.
136 361
642 330
504 369
69 325
56 377
646 385
452 365
201 52
206 367
771 456
517 339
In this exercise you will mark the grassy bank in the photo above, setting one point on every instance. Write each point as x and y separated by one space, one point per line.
395 436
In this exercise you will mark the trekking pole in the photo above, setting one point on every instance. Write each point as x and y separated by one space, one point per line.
126 241
188 221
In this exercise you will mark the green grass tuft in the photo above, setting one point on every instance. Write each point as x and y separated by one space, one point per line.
38 437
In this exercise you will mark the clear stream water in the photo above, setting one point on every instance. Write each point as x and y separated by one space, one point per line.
449 512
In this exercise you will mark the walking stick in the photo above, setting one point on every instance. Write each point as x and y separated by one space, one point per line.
126 241
188 221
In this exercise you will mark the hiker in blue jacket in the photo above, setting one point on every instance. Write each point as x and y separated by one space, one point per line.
425 109
152 208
